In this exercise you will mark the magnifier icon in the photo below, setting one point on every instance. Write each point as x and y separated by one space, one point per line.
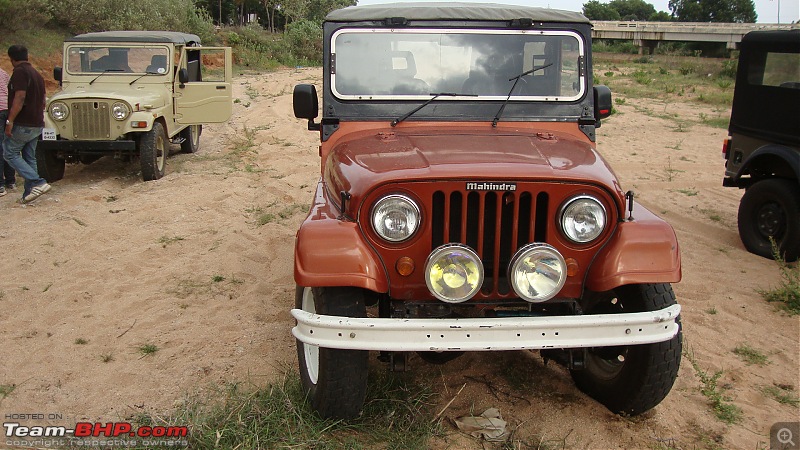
785 436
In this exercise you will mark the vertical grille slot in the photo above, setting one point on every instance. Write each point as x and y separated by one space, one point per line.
541 218
90 120
494 224
455 217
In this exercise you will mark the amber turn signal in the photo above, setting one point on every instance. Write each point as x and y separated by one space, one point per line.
405 266
572 267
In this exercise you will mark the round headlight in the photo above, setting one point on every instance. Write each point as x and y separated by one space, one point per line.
583 219
120 111
59 111
395 217
537 272
453 273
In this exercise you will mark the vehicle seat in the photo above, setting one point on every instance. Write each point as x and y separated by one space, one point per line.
158 64
490 75
405 71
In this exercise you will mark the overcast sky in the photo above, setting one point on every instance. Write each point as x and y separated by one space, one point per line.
767 10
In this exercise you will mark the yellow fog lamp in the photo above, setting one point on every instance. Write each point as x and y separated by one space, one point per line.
453 273
537 272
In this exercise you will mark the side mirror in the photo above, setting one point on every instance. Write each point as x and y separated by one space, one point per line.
602 102
183 76
306 105
57 74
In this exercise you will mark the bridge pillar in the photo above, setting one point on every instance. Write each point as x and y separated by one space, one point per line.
646 44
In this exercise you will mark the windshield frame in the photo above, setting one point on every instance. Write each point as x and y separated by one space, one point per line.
160 49
582 81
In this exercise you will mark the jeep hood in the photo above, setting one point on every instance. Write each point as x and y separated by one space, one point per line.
369 159
143 95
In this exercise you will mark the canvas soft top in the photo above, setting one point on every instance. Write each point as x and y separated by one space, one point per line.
773 37
137 36
453 11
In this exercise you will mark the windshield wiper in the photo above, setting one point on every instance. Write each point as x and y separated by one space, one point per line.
428 102
143 75
105 72
510 91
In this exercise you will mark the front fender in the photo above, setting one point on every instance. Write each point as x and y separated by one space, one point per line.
644 250
332 252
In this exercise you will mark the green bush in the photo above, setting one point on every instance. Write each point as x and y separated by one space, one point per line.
23 14
614 46
305 39
729 68
80 16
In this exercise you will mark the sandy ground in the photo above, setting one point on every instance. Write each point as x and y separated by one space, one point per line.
199 264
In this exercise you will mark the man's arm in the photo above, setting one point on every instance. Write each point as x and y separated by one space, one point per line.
13 111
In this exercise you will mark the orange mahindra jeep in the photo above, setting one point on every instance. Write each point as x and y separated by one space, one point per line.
462 206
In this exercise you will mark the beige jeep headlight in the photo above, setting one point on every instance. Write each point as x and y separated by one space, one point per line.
59 111
120 110
583 219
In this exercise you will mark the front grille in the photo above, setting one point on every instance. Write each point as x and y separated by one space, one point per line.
90 120
494 224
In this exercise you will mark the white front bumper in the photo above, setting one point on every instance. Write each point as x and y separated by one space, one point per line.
517 333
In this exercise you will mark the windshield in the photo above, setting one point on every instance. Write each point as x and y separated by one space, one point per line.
381 64
117 60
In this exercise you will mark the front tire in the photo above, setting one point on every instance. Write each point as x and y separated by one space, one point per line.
191 138
771 209
335 381
631 379
49 166
153 151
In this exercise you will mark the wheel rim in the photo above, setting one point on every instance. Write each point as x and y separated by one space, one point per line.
606 362
310 352
161 153
195 135
770 220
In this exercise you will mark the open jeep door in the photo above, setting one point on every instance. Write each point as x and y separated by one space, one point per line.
203 90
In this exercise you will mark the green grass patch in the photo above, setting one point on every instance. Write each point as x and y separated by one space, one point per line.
81 341
166 240
783 394
700 80
787 294
721 404
272 213
6 390
148 349
750 355
398 414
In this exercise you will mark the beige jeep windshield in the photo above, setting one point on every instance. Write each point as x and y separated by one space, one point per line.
380 64
117 59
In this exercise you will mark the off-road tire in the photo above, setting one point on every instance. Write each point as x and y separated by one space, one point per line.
648 371
153 152
771 208
191 138
341 375
49 166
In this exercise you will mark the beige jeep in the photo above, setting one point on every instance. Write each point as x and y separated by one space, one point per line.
133 93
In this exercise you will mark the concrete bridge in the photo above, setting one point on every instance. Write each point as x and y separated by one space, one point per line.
647 35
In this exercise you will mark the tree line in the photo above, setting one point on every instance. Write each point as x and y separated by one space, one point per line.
739 11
